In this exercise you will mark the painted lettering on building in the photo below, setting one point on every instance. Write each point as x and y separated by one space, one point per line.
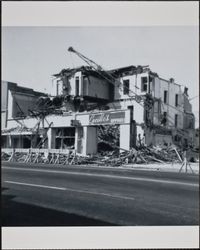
107 118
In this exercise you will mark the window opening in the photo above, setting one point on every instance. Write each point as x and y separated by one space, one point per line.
77 86
176 120
126 87
165 96
144 82
176 100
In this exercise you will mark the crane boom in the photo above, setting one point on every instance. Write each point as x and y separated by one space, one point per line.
103 73
86 59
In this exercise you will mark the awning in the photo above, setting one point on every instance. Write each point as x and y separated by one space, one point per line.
18 131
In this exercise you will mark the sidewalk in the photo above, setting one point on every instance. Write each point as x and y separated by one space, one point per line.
168 167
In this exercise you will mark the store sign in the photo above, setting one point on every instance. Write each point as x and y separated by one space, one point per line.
107 118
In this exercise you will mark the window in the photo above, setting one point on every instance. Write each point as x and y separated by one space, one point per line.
144 82
77 86
165 96
176 100
176 120
150 84
126 87
65 138
131 112
164 119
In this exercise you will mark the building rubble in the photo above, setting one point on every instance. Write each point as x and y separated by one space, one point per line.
128 115
115 157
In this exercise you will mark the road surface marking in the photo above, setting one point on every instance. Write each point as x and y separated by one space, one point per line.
34 185
105 176
104 194
69 189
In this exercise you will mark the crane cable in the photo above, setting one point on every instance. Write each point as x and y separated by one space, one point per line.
99 68
114 80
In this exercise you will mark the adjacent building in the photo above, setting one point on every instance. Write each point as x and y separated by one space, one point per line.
17 103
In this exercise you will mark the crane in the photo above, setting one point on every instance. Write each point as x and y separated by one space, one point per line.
105 74
147 100
91 63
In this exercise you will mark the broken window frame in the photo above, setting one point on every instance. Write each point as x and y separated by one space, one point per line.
63 134
126 86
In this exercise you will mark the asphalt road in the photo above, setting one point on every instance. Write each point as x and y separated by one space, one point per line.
43 195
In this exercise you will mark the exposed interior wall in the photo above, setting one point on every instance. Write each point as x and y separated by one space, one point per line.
22 103
89 86
16 100
95 87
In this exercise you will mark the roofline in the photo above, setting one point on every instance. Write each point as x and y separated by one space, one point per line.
169 81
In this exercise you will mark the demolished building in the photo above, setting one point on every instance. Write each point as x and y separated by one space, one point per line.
160 111
146 109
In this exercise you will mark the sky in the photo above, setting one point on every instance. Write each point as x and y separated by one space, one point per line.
31 55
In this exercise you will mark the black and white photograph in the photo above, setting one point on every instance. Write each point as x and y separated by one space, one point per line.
100 126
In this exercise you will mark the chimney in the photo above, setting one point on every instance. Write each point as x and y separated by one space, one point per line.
171 80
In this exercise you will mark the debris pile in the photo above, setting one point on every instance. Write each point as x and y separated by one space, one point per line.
116 157
141 156
107 137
